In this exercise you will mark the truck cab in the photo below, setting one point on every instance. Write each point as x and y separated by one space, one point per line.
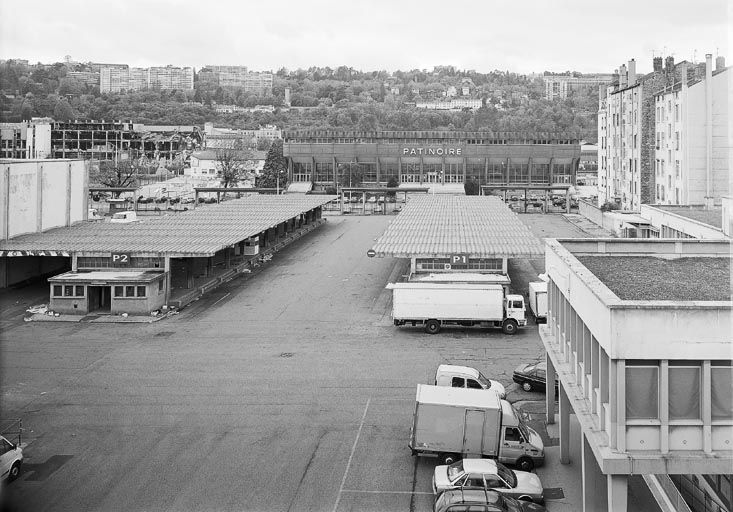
514 305
519 444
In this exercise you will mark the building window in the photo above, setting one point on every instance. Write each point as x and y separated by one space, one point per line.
160 286
141 291
721 381
68 290
79 291
57 290
684 392
119 291
642 392
129 291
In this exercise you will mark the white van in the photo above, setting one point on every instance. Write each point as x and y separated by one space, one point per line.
466 377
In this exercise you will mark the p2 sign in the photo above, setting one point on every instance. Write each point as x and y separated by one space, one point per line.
120 259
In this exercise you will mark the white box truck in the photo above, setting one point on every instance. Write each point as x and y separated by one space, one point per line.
455 423
538 301
433 305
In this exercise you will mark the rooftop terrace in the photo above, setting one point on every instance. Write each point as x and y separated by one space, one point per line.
712 217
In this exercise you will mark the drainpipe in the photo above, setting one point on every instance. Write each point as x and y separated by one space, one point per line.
709 130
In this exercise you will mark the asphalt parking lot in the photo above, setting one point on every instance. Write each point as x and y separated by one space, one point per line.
284 391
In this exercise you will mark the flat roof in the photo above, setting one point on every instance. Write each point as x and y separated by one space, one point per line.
199 232
712 217
457 397
443 225
144 276
652 278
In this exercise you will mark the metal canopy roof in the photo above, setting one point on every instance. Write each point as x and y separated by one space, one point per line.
440 226
199 232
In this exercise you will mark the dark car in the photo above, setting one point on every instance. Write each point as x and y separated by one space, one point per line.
481 501
532 376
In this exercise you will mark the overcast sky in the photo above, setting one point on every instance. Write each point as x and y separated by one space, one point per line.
517 35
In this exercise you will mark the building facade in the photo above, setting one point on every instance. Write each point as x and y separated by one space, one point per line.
170 78
692 139
643 365
28 140
451 104
561 86
427 157
90 139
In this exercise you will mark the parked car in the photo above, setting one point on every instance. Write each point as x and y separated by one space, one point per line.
11 458
490 475
532 376
475 500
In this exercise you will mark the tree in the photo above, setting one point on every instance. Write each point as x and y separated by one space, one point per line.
275 171
63 111
232 165
392 183
116 173
351 174
471 187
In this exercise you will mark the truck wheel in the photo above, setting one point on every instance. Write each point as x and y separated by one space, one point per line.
509 327
527 386
525 464
432 327
449 458
14 472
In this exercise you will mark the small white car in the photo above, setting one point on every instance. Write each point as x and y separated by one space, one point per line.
124 217
491 475
11 457
466 377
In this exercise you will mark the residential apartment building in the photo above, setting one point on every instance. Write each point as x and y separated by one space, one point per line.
26 140
228 76
626 130
259 83
114 79
170 77
452 104
693 138
90 78
644 367
562 86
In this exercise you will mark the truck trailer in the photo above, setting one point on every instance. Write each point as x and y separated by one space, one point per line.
456 423
434 305
538 300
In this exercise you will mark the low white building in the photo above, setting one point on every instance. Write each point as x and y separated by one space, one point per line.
204 164
639 334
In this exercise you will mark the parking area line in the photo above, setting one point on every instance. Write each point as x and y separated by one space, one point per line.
365 491
351 455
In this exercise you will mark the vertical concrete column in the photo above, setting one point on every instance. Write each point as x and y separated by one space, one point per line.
587 472
664 405
612 403
67 210
567 201
167 268
564 426
39 198
6 203
505 266
620 404
618 487
707 408
189 273
209 266
74 262
227 257
550 391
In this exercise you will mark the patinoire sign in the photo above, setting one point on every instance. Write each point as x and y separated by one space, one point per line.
432 151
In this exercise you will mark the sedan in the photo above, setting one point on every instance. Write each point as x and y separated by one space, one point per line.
490 475
481 501
532 376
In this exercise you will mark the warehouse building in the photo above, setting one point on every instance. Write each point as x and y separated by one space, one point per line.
138 267
432 157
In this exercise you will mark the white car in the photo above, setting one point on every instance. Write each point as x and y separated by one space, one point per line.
466 377
11 457
491 475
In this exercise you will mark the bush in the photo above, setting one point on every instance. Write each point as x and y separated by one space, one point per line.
392 183
471 188
609 206
331 191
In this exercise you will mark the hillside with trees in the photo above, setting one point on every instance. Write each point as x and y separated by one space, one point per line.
341 98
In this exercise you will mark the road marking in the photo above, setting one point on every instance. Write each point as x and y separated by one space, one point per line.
388 492
221 299
351 456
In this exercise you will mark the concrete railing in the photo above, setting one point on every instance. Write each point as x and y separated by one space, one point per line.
666 494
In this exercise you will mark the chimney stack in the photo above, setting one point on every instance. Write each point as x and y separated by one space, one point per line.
669 64
719 63
657 62
622 76
632 72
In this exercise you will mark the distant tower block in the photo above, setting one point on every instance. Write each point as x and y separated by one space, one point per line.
287 96
67 58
